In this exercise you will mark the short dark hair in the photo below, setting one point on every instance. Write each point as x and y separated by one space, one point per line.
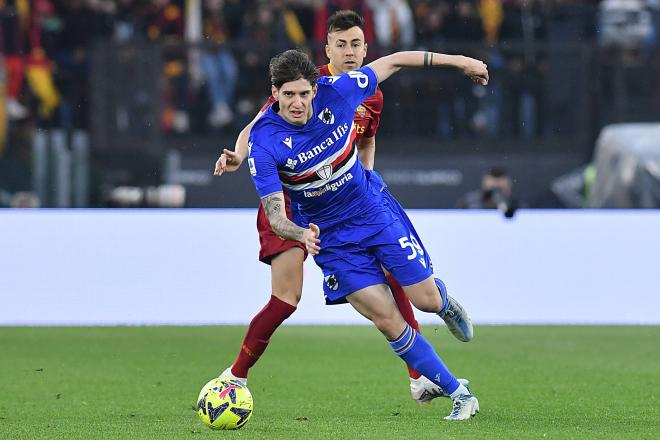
292 65
498 172
344 20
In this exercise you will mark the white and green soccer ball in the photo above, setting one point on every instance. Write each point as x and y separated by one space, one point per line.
224 404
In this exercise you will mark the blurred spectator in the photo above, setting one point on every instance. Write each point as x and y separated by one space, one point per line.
165 23
492 15
14 21
522 35
165 20
126 25
393 23
218 64
46 46
273 23
269 28
104 13
21 40
461 98
430 20
304 11
496 192
464 22
72 58
39 68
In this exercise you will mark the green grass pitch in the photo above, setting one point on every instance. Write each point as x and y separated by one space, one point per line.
328 382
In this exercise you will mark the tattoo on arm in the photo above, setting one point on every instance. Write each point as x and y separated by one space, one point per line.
276 213
273 204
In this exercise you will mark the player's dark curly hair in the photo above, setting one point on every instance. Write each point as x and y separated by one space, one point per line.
344 20
292 65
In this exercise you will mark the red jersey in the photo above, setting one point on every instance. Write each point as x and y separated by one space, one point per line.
367 115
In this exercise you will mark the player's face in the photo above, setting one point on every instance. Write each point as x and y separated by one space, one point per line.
346 49
504 184
295 99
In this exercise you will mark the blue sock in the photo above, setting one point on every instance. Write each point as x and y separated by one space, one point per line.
418 353
443 294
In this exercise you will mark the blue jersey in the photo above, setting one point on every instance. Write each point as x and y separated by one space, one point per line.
317 162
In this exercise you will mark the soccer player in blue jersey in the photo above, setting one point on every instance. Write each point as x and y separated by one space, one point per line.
346 50
304 142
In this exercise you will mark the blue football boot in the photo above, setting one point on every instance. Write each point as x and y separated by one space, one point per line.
454 315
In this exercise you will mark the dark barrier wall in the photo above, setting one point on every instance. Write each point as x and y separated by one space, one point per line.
417 182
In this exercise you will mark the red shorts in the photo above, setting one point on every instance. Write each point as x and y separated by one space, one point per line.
271 243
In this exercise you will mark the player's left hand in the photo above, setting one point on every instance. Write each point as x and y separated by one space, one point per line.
228 162
476 70
312 239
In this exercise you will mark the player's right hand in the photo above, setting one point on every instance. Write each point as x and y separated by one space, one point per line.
228 162
312 239
476 70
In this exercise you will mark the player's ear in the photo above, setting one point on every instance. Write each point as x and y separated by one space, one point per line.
314 90
366 46
327 51
274 92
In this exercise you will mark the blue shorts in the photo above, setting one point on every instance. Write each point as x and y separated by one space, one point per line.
353 252
393 204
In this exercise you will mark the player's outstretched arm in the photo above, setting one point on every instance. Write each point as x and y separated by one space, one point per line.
388 65
230 161
285 228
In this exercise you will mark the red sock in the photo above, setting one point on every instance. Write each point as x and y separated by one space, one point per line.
403 303
261 328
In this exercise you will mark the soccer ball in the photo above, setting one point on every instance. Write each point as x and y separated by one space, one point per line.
224 404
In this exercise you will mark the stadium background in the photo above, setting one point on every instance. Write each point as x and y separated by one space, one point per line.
127 104
104 94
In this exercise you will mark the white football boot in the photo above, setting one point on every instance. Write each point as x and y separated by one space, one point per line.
465 406
227 374
424 391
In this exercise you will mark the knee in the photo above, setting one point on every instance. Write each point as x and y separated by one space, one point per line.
290 296
430 303
390 326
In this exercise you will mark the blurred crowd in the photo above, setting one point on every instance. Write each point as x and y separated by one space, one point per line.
47 45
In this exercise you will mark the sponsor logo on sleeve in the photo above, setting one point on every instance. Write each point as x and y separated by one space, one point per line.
253 168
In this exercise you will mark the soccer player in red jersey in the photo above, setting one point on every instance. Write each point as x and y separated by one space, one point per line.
346 50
